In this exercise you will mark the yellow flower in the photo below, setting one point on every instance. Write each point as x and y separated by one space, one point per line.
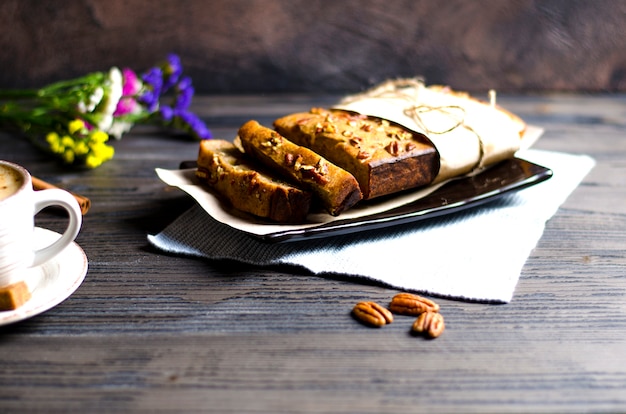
55 142
102 151
81 148
92 161
99 136
52 137
75 126
99 152
67 141
68 156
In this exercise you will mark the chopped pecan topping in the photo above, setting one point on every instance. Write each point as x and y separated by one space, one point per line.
220 170
355 142
290 159
254 184
317 173
393 148
363 155
294 161
329 127
321 167
404 135
384 124
298 162
275 141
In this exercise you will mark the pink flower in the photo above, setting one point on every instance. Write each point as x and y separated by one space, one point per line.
126 105
132 84
131 87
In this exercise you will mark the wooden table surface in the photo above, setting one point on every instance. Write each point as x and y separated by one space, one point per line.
149 332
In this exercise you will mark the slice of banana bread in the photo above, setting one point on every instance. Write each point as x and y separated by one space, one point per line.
336 188
247 186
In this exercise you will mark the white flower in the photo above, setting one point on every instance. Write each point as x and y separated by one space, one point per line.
112 95
94 100
104 123
119 128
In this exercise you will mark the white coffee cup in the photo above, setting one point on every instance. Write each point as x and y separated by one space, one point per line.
19 204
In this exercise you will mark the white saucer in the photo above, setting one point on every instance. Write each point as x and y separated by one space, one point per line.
52 282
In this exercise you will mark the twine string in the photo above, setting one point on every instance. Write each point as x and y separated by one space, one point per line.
414 112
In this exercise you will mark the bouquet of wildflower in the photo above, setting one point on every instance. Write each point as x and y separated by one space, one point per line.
74 119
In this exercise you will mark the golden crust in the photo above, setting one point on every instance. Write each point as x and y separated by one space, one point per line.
247 187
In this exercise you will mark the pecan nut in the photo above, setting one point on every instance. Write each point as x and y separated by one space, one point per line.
409 304
356 141
393 148
363 155
317 173
372 313
429 323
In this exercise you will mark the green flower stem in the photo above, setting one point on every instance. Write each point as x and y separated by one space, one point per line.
12 94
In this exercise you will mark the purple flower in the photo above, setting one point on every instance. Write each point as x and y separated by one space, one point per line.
154 81
154 78
185 92
157 81
167 113
194 125
172 70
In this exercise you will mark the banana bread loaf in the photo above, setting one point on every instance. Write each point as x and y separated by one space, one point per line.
383 157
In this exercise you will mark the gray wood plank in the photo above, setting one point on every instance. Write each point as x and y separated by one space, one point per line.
148 332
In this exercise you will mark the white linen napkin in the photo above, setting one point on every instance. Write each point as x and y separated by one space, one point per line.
477 254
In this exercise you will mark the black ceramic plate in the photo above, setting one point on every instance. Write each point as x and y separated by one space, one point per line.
506 177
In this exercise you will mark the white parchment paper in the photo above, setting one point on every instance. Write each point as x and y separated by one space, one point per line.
477 254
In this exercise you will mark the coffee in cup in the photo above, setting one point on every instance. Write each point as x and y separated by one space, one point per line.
10 181
19 204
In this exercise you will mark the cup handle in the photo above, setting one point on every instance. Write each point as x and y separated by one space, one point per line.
61 198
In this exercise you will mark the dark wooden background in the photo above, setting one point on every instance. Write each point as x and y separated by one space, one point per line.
266 46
